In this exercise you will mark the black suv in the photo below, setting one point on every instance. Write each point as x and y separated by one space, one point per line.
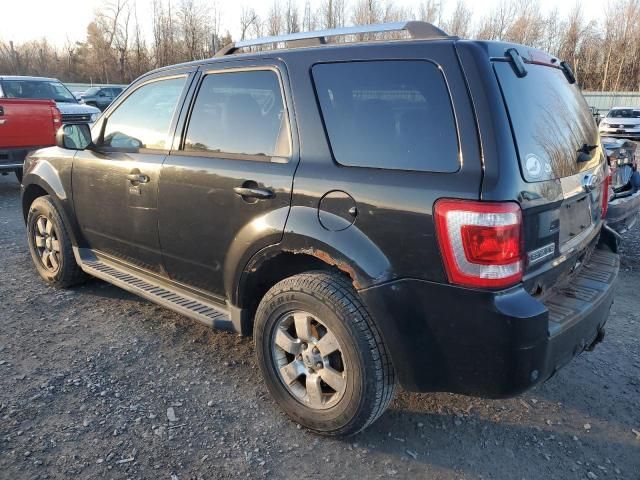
424 211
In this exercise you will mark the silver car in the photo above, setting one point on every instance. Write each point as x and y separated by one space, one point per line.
621 122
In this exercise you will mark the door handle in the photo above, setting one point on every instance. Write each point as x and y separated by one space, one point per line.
137 178
259 193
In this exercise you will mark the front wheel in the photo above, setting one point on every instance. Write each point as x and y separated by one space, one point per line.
321 355
50 245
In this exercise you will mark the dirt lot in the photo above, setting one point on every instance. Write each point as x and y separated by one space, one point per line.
89 377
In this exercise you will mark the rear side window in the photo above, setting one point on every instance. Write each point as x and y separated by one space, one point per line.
239 114
388 114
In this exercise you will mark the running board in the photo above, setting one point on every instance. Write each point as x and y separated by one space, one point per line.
186 304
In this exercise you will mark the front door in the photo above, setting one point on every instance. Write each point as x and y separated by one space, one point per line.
115 183
229 181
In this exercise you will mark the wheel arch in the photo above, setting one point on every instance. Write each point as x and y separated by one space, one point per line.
307 246
36 185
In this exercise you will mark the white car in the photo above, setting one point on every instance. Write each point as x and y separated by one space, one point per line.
621 122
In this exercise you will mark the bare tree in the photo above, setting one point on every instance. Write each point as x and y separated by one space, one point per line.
460 21
248 18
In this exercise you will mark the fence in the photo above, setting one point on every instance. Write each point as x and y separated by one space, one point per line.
605 101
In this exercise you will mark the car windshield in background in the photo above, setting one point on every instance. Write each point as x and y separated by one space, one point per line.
91 92
623 113
37 89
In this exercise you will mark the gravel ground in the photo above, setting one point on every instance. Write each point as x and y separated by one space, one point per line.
95 382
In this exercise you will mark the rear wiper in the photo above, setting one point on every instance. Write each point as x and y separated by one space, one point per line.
584 152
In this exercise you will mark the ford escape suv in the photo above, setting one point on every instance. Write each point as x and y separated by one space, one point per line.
401 207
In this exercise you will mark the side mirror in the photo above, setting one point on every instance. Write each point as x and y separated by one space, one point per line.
74 137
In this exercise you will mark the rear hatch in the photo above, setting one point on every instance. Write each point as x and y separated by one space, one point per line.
562 164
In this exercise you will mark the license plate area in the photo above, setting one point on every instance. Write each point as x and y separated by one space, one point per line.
575 218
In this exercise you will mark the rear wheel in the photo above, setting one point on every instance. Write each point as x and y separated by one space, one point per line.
50 245
321 355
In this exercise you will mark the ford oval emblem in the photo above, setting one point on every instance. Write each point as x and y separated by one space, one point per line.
589 182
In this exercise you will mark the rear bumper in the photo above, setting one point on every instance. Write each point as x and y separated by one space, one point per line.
12 159
490 344
622 213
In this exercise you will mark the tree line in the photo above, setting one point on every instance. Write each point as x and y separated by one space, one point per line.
118 46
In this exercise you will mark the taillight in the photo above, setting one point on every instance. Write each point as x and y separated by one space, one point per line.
56 117
480 242
606 184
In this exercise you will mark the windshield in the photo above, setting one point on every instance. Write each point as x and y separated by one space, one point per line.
554 130
91 92
37 89
624 113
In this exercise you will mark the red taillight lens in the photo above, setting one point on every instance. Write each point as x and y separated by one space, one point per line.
481 242
56 117
606 184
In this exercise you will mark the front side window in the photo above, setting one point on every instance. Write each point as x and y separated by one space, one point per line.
388 114
239 113
143 119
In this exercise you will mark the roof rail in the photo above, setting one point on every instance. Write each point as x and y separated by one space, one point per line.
416 30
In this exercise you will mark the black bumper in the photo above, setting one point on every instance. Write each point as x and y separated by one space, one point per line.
490 344
12 159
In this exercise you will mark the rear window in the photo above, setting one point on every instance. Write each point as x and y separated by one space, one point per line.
388 114
551 122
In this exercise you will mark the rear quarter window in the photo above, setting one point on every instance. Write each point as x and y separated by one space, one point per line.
388 114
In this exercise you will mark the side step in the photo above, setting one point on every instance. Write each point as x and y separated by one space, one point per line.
174 299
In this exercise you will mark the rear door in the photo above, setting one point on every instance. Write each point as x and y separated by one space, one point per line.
229 178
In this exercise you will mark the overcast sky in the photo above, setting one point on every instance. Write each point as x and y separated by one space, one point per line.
61 20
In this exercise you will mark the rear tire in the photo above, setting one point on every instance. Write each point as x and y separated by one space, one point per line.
50 245
321 355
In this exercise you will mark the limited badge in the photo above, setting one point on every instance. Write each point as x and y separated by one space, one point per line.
533 165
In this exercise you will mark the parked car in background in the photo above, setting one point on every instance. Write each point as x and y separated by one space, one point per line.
621 122
25 125
41 88
430 213
100 97
624 199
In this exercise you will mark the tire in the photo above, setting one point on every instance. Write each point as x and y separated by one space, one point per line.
323 303
19 175
50 245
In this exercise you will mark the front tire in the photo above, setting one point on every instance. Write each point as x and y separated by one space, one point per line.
50 245
321 355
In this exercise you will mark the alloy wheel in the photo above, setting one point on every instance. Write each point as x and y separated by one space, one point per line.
47 243
309 360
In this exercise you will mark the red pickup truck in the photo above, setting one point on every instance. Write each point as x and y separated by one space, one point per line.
25 125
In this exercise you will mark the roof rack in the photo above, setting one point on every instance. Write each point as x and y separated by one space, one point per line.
416 30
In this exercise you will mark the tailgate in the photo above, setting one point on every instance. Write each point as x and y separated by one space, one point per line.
27 123
562 163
